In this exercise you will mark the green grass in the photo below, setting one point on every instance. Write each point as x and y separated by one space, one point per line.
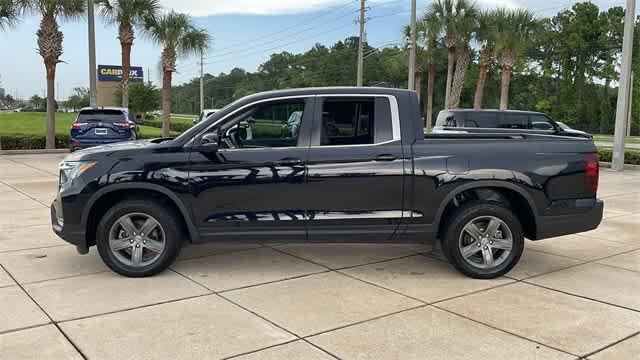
609 138
34 123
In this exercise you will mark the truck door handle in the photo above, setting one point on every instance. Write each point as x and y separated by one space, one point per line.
289 162
385 157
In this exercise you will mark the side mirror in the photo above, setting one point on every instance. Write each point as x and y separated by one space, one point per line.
208 143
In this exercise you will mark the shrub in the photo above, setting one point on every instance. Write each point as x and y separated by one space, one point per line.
33 142
29 142
179 127
630 156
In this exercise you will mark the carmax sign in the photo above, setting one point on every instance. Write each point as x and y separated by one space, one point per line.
114 73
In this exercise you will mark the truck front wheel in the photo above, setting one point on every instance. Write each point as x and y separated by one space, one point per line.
483 239
138 237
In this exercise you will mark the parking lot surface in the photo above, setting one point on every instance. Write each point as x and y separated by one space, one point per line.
571 297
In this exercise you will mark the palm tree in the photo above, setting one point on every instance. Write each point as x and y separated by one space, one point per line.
465 20
179 37
514 29
50 46
9 13
443 11
485 35
456 18
127 14
429 34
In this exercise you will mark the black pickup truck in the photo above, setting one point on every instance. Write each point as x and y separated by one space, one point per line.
326 165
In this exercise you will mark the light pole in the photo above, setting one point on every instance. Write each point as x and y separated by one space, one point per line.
622 108
412 48
93 97
201 80
361 44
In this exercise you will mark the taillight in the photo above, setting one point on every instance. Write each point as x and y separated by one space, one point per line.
123 125
77 125
591 172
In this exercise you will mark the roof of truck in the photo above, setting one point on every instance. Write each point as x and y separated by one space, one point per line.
494 110
331 90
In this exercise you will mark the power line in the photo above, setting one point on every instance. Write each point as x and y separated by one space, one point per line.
303 22
281 45
285 37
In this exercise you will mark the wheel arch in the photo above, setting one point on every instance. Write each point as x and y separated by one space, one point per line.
517 198
107 196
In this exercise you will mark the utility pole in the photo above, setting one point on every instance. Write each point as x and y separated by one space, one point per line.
617 163
412 48
630 112
201 80
361 44
93 97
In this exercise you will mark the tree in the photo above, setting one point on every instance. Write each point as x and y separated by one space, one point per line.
144 97
37 102
9 13
429 33
78 99
456 18
179 37
465 21
127 14
486 36
50 47
514 28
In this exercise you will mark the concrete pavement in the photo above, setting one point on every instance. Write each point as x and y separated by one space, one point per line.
570 297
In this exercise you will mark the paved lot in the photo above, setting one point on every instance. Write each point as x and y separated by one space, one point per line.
570 297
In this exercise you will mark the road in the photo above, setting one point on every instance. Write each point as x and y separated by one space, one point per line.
610 144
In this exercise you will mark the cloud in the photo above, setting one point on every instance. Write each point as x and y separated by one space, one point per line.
500 3
256 7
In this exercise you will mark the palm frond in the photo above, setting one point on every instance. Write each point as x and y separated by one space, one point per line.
63 9
176 31
9 13
128 12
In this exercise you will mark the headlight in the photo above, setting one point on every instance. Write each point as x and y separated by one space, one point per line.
70 170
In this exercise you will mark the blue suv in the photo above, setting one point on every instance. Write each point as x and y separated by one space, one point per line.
100 126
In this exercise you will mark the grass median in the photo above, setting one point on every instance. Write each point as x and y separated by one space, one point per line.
26 130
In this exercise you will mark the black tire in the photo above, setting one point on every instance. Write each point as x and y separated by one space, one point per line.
467 213
165 216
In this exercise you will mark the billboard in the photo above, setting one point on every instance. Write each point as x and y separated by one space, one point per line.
114 73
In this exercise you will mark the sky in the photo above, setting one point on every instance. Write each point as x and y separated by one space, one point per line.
245 33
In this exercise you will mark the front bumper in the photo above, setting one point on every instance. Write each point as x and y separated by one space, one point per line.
66 232
558 225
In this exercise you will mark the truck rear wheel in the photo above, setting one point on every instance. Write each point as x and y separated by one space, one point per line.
139 238
483 240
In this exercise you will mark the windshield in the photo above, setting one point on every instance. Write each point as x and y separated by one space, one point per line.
563 126
101 116
194 130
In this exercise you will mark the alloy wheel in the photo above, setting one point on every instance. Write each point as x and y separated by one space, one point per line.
485 242
137 239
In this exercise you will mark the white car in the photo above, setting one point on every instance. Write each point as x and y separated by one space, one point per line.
205 114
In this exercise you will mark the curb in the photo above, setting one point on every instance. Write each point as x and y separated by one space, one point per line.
626 166
34 151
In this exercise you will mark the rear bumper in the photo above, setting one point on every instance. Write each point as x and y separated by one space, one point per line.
70 234
558 225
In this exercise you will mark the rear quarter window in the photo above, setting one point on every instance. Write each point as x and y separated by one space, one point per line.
513 121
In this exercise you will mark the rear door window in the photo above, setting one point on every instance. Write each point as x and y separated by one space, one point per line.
481 120
347 121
